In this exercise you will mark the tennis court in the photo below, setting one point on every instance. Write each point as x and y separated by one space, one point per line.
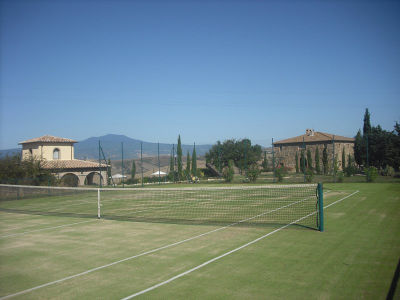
230 242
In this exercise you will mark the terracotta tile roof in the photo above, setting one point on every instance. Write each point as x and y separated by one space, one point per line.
316 137
70 164
48 139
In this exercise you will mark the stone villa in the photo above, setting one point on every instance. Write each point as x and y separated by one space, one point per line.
285 150
57 155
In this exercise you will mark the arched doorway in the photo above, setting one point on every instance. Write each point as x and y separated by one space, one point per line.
70 179
93 178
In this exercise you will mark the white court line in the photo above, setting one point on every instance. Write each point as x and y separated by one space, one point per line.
43 229
227 253
143 253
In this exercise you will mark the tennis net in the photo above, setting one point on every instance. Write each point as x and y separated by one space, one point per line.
265 204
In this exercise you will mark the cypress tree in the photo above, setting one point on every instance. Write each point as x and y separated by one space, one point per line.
309 160
302 162
194 161
359 149
325 160
317 166
343 160
171 174
366 136
297 162
188 164
179 158
367 123
133 170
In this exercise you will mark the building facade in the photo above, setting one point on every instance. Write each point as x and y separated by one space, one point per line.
285 150
57 155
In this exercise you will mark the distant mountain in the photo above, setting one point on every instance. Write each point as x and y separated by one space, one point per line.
10 152
111 145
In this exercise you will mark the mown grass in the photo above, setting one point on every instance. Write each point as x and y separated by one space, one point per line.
355 257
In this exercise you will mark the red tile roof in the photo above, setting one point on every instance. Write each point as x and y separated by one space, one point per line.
316 137
48 139
70 164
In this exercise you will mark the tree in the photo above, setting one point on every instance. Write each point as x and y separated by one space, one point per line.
377 147
171 174
14 170
309 160
317 166
229 172
253 172
343 160
133 170
302 161
241 152
366 135
367 123
325 160
297 162
359 149
194 162
265 162
187 164
179 158
350 170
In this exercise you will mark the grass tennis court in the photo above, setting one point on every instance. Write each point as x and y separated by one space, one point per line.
54 256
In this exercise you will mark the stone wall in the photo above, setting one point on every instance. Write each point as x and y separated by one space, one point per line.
285 154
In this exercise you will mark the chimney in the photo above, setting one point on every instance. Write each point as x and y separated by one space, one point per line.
309 132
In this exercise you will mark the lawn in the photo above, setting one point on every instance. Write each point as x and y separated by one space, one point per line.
58 257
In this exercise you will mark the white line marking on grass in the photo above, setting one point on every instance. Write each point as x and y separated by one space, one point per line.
143 253
229 252
43 229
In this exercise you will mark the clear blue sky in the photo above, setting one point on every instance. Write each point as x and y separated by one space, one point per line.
208 70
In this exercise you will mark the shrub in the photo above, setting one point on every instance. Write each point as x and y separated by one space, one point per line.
388 171
279 173
229 172
371 173
253 173
340 177
309 176
133 181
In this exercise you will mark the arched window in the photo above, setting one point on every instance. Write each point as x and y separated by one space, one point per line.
56 154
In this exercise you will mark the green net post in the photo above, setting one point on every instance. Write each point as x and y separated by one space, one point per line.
320 207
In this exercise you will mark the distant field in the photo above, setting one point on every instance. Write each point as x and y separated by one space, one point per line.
54 256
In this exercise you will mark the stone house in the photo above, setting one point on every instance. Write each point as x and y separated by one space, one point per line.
57 155
285 150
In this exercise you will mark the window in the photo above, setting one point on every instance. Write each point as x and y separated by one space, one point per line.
56 154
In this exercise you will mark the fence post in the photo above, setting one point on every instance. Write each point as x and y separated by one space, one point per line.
320 207
98 204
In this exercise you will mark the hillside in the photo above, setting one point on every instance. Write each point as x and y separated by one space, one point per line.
150 165
111 144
